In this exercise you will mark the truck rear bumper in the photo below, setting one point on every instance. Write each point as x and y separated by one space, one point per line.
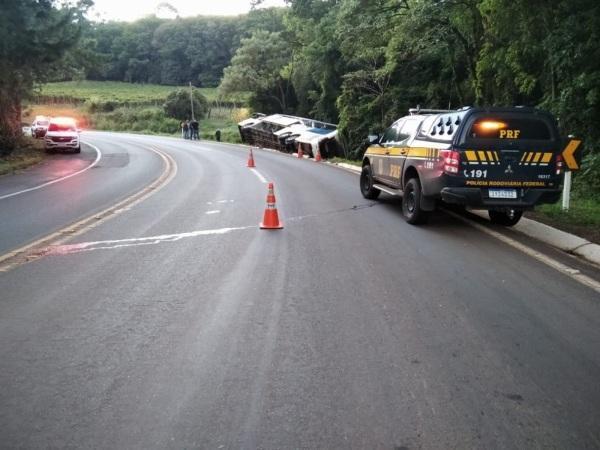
478 198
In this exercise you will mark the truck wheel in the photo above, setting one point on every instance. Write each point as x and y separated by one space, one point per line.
411 203
506 218
366 184
78 150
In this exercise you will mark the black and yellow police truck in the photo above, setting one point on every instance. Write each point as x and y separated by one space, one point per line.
504 160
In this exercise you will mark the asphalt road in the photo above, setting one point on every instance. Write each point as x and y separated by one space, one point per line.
180 324
28 213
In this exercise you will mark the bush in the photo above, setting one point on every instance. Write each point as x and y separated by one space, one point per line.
178 106
587 181
148 119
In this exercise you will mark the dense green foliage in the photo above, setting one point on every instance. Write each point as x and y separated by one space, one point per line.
363 63
178 105
163 51
33 36
259 65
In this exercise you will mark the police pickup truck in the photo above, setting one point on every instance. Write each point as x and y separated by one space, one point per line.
504 160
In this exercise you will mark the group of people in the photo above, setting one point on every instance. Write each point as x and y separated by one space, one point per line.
190 129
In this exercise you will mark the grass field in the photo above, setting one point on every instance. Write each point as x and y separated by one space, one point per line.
118 92
116 106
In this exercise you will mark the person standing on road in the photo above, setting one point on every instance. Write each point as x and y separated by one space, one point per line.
186 129
195 127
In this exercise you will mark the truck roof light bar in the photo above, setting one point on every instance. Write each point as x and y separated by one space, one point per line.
418 110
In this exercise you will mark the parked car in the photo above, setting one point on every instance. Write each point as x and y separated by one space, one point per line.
62 134
504 160
39 126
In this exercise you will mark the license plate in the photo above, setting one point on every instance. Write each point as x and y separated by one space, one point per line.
502 193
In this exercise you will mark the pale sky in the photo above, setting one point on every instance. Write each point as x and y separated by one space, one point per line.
135 9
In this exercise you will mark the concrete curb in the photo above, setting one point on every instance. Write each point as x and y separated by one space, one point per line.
560 239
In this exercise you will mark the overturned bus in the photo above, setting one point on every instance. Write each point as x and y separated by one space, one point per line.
289 133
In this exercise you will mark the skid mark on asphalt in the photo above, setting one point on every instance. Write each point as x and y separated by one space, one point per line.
335 211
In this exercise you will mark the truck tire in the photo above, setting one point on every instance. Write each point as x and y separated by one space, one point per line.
506 218
411 203
366 184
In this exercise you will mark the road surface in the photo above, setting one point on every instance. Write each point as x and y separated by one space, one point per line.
178 323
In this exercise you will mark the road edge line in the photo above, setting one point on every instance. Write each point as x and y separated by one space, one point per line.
27 253
35 188
545 259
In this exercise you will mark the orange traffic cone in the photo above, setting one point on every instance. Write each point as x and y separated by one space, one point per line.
318 156
300 153
271 218
251 159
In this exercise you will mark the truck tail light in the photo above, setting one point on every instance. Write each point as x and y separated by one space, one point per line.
451 160
559 165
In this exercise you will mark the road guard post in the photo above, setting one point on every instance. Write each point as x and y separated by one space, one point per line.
572 159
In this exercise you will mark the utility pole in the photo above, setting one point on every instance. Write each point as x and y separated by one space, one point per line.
192 99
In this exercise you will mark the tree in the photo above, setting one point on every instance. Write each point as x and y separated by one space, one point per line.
178 105
34 34
263 65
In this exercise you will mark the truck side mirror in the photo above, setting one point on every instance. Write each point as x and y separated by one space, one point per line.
374 139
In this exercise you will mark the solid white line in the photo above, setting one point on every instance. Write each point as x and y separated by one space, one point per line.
258 174
98 156
216 211
563 268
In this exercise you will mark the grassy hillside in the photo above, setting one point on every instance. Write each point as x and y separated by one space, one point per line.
118 92
115 106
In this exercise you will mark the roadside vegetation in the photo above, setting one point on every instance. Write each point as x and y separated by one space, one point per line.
102 93
28 153
582 218
139 108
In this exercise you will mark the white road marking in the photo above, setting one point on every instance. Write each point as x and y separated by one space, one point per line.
86 224
563 268
225 201
98 156
132 242
216 211
260 177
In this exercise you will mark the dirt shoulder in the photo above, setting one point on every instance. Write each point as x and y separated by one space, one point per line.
30 152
